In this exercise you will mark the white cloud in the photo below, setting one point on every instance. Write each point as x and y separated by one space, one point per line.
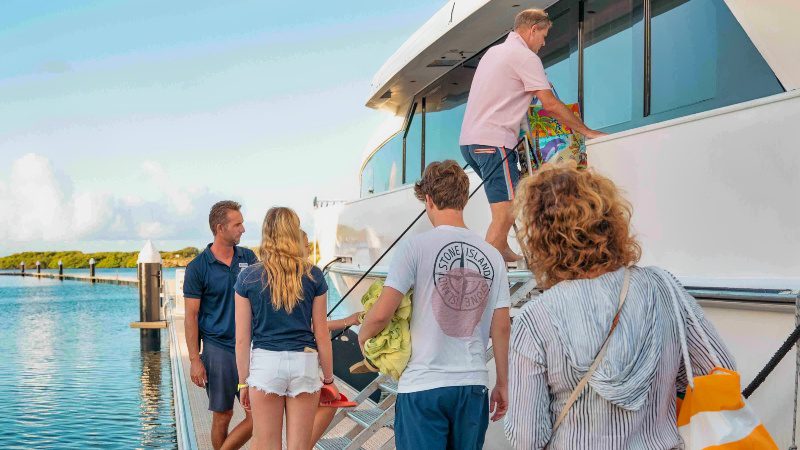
152 230
34 201
180 200
38 205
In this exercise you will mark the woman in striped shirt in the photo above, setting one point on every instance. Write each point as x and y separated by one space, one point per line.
575 230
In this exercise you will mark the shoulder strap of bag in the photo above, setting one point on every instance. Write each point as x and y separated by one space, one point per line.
623 293
681 306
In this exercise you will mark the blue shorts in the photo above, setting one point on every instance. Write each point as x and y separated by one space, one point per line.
499 183
454 417
223 377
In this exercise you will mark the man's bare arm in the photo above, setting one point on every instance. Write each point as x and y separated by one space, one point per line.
380 314
191 329
564 114
501 332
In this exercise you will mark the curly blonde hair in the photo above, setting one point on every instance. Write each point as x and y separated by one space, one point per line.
284 256
575 224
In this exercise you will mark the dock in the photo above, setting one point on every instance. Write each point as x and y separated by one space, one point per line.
126 281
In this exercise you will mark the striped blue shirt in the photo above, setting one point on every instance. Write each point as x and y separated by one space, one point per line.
630 401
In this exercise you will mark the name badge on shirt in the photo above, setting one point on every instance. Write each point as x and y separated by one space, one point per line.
242 265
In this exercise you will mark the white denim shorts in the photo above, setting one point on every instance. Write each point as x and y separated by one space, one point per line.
284 373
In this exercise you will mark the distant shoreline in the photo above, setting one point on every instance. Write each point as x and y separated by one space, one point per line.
104 260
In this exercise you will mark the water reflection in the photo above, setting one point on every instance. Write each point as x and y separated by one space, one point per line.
34 345
73 374
155 397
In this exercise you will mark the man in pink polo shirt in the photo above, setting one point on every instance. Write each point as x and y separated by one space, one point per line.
508 77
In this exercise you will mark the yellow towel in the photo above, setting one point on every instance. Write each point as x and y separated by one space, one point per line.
390 349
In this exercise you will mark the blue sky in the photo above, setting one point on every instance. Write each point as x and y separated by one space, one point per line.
125 120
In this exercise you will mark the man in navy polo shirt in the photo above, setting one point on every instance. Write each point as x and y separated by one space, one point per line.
210 317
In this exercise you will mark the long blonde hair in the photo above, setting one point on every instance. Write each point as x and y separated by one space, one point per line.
284 257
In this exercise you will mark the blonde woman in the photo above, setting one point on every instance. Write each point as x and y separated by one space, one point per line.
576 234
281 311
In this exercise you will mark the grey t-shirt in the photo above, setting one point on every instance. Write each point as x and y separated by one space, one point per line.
458 280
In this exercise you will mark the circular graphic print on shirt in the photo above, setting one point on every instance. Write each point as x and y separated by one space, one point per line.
462 276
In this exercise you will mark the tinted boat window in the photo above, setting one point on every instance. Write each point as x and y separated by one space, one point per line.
442 129
445 104
702 59
613 62
560 53
383 170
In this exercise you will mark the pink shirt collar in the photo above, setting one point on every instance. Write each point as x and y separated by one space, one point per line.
514 37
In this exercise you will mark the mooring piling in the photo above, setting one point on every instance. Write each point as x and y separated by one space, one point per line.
92 263
149 274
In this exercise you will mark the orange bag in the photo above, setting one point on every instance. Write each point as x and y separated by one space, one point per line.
713 414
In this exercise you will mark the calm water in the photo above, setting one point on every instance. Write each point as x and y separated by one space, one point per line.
73 375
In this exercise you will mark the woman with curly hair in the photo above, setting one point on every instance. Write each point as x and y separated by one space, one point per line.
281 312
576 235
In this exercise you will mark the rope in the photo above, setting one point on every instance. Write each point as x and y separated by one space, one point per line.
327 266
364 275
773 362
796 375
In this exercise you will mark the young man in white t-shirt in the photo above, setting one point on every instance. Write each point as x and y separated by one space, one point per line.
461 298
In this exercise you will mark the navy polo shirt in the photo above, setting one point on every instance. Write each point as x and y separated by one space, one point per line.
275 329
212 282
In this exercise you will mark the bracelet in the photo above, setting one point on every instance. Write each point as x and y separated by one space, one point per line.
240 386
326 382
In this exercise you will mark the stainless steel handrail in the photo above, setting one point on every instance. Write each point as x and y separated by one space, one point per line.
748 295
770 296
356 270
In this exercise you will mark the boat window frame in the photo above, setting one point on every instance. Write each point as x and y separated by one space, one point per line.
406 128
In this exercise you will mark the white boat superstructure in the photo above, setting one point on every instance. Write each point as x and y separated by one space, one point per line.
700 98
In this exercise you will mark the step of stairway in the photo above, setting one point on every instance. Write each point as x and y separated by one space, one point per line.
337 443
366 417
389 386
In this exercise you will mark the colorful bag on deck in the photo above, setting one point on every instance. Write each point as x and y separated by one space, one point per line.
552 141
713 414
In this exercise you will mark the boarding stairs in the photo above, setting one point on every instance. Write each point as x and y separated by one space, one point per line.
367 420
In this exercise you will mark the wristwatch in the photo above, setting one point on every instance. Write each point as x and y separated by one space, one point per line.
327 381
240 386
